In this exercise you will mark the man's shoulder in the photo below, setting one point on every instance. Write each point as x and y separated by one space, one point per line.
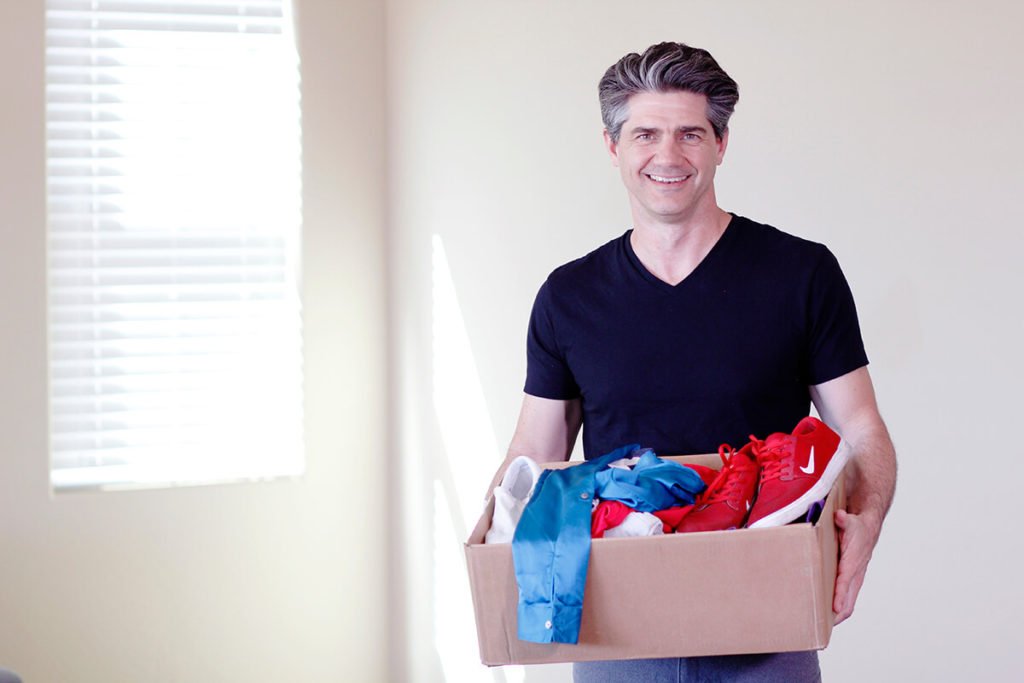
766 242
768 236
602 262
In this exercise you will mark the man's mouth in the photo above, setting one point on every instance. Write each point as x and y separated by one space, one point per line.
667 180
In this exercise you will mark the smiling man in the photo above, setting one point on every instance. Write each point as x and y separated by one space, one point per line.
698 327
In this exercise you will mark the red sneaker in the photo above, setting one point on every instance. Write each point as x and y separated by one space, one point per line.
796 470
726 502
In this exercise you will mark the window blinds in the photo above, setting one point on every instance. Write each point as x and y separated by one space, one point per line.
174 215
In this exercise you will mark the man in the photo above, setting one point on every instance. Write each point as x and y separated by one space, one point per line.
699 327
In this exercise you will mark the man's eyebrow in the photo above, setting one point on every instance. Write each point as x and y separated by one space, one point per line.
681 129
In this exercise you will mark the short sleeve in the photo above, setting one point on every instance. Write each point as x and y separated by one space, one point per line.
547 373
835 345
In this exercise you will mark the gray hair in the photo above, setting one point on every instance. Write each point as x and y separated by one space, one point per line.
667 67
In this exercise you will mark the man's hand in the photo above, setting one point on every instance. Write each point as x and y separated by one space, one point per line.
858 535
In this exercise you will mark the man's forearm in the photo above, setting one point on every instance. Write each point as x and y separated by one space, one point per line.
871 476
546 431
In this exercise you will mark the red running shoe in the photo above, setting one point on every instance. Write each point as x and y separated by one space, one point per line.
796 470
726 502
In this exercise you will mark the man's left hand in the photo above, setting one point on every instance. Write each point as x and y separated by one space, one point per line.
858 534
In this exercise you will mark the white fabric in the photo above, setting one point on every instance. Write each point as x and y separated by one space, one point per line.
624 463
510 497
637 524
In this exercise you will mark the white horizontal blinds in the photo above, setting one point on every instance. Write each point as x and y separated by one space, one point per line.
173 171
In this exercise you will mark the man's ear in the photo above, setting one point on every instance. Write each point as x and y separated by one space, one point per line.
613 148
722 143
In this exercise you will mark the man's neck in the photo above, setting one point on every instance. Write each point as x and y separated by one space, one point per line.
673 250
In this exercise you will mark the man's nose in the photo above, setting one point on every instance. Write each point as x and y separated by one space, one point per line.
669 150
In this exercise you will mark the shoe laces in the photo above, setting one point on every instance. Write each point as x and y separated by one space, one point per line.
726 486
771 455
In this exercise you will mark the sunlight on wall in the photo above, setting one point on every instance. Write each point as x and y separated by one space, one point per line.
470 456
471 449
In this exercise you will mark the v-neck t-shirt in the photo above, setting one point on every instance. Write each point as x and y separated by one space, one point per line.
731 350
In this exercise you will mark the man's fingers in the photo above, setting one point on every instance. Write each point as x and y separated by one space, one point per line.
854 553
845 609
850 574
842 517
842 588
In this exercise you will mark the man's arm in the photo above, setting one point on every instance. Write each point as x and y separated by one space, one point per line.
546 431
848 404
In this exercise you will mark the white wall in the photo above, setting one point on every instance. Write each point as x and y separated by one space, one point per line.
278 581
890 131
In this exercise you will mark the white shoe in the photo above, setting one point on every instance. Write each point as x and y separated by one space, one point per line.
510 497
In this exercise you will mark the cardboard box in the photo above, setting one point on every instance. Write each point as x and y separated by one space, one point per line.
677 595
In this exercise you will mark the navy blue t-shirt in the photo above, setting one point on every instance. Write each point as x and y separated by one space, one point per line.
730 351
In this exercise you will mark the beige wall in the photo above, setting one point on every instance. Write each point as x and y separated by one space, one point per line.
278 581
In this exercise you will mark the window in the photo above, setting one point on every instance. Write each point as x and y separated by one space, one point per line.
174 217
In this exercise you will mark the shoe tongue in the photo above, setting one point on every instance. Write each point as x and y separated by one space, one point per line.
743 460
774 448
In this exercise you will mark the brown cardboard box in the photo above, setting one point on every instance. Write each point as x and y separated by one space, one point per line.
677 595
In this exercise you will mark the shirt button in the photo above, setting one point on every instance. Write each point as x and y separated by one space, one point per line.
584 496
547 624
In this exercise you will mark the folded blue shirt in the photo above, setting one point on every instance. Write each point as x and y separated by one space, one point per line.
652 484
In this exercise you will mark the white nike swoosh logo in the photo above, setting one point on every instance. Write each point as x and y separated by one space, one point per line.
810 463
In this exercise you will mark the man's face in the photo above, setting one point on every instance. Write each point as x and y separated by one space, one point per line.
667 153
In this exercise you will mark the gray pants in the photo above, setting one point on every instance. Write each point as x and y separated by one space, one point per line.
786 667
8 676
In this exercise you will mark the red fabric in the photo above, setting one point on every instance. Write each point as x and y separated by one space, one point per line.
707 474
671 517
607 515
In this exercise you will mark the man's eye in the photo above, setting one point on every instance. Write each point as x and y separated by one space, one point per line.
691 137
